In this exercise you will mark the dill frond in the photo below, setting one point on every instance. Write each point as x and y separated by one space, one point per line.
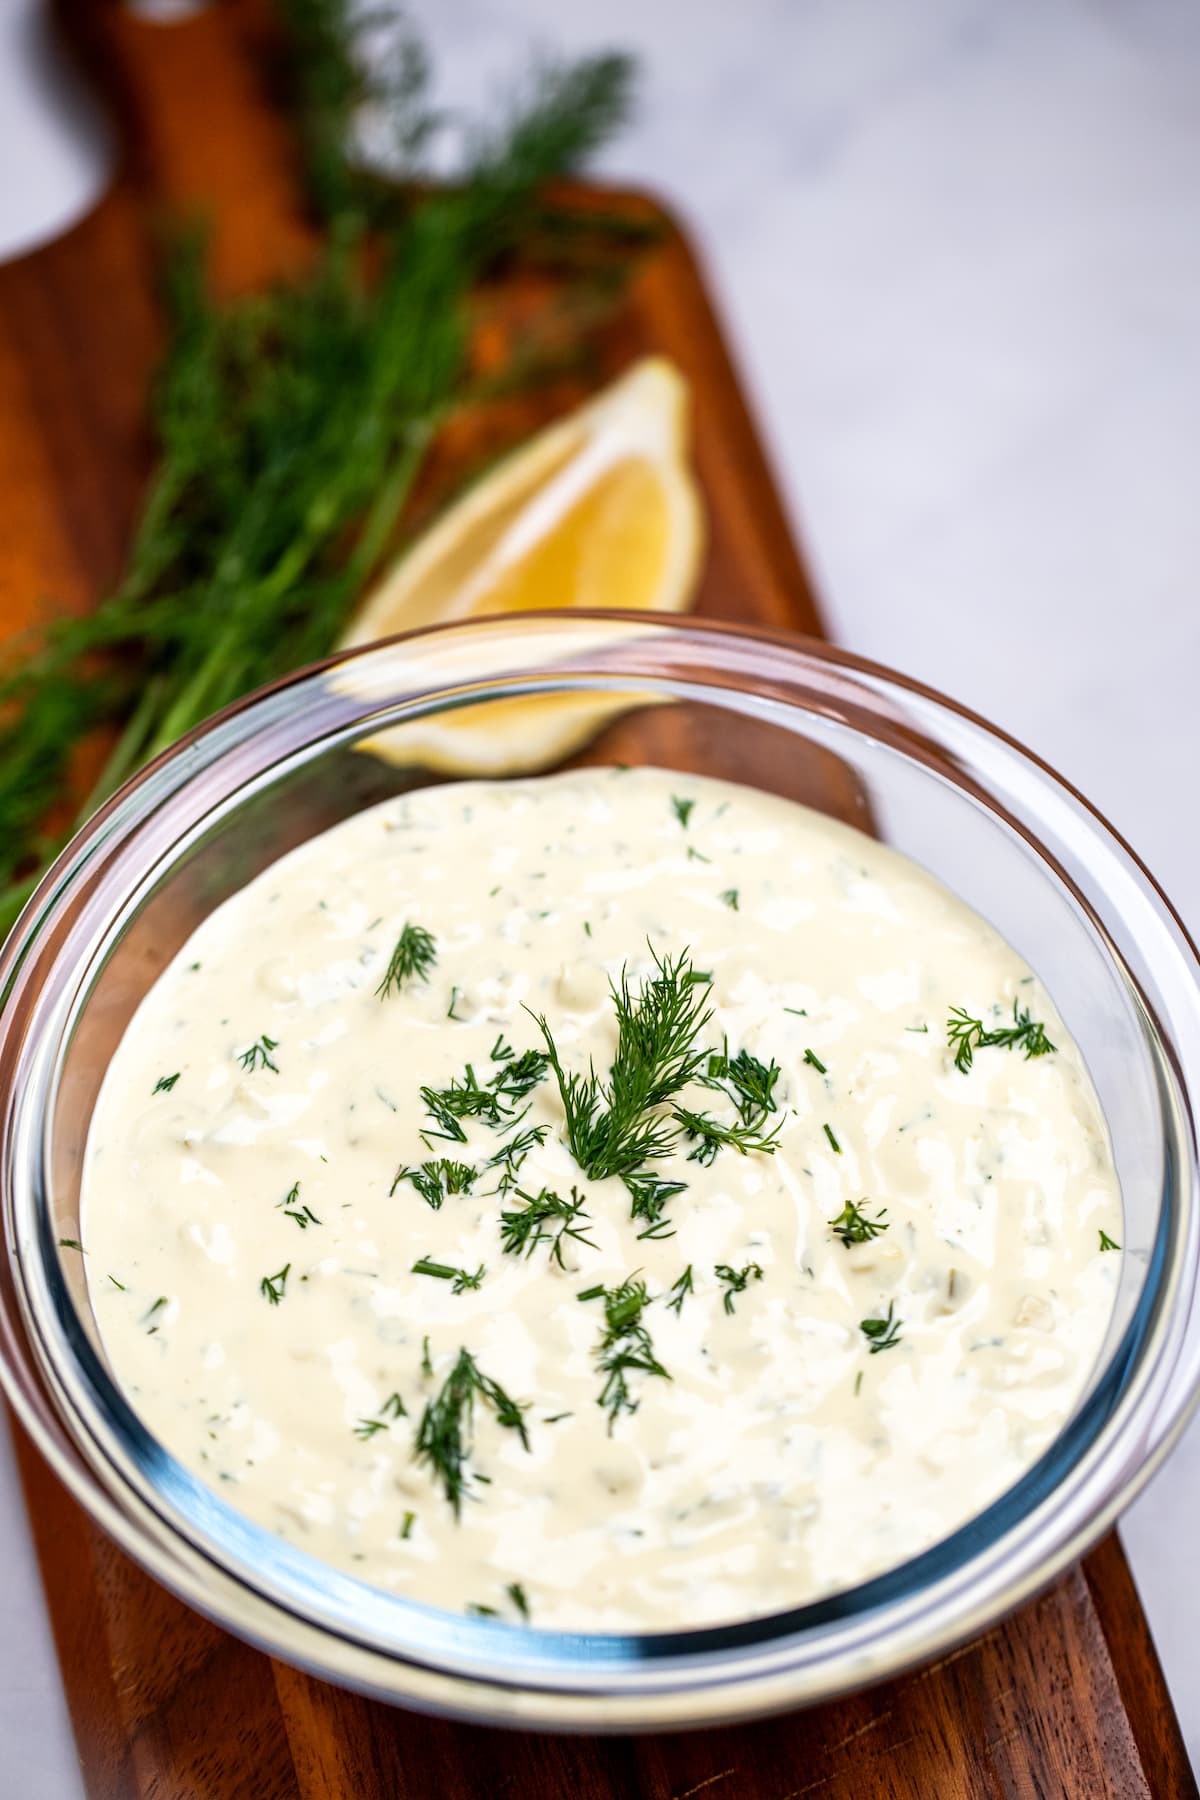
965 1035
625 1347
882 1333
445 1437
680 1289
543 1218
435 1181
853 1226
736 1281
710 1135
414 955
291 424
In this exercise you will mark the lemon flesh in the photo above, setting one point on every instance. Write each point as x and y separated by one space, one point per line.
599 510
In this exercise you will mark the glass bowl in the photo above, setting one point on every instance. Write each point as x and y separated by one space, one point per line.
792 717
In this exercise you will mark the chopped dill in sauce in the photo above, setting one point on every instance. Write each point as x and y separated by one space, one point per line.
966 1034
462 1280
543 1218
434 1181
274 1287
625 1348
517 1595
735 1281
445 1438
680 1289
881 1333
258 1056
710 1135
853 1226
414 955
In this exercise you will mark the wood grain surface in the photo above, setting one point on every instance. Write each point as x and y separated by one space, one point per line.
1065 1699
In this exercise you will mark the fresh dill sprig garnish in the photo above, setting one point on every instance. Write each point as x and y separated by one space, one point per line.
478 1610
71 1244
833 1142
367 1428
517 1595
292 422
881 1334
680 1289
625 1348
965 1035
414 955
814 1062
465 1099
853 1226
519 1075
501 1051
293 1208
447 1272
445 1438
661 1228
1107 1243
434 1181
649 1194
544 1218
730 898
407 1523
736 1280
709 1136
611 1128
165 1083
511 1154
273 1287
749 1083
495 1102
682 809
258 1056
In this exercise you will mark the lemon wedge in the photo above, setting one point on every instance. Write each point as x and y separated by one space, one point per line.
598 510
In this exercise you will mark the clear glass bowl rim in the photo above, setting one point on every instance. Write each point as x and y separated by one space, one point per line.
476 1668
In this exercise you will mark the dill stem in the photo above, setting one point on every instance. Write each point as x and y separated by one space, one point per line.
192 703
126 753
385 508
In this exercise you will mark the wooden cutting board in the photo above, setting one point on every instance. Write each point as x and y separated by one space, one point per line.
1067 1698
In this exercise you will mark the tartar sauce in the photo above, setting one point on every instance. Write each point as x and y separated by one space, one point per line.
620 1199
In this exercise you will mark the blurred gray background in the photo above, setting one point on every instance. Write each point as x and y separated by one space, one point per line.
957 246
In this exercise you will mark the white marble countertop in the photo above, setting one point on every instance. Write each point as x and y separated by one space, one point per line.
957 243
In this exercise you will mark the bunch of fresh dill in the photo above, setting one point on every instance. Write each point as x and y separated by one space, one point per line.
290 425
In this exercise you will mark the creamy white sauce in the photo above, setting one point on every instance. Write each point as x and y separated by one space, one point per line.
782 1459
